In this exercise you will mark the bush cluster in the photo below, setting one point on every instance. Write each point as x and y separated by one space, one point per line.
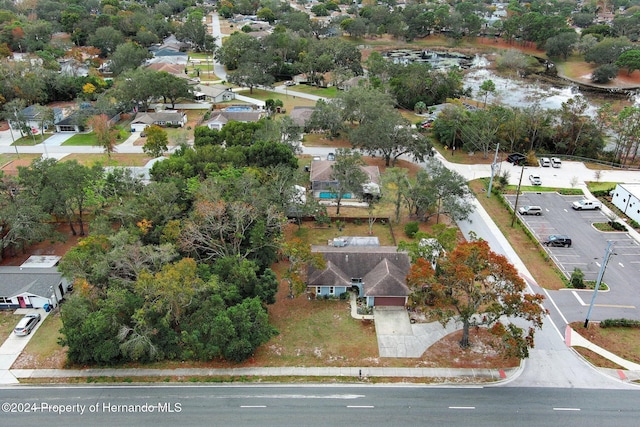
620 323
411 228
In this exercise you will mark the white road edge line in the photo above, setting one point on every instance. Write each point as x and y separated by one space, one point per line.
566 409
360 406
253 406
462 407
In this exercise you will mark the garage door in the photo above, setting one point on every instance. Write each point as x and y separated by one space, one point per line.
389 301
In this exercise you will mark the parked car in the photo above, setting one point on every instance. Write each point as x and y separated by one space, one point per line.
427 123
545 162
556 162
535 180
26 324
331 157
558 240
530 210
290 83
586 204
516 158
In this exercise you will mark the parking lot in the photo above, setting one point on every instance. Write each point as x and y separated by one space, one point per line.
586 253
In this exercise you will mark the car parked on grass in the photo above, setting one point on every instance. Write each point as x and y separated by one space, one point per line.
535 180
290 83
530 210
26 324
558 240
516 158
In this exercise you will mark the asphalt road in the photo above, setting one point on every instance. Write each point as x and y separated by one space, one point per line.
296 405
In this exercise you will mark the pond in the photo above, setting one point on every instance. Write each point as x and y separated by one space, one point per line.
514 92
520 92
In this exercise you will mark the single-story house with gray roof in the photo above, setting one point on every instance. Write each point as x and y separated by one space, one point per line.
377 273
214 93
160 118
31 287
301 115
219 118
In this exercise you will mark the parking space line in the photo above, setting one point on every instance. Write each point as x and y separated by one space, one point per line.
582 303
575 294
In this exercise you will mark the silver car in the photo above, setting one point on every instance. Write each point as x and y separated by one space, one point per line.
26 324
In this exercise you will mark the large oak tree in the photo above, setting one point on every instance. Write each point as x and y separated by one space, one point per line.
477 287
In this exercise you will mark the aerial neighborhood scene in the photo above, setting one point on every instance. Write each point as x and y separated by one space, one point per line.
284 194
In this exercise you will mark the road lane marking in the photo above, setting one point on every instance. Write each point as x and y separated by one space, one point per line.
360 406
566 409
253 406
582 303
462 407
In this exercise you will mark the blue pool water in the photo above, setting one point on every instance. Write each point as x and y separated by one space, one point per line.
238 108
329 195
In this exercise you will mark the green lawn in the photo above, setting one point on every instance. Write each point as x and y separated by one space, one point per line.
44 344
31 140
89 139
8 321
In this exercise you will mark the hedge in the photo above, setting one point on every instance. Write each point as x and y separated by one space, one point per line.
620 323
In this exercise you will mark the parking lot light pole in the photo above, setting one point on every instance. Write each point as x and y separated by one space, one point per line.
607 255
515 206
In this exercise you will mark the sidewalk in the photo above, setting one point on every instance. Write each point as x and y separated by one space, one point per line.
457 375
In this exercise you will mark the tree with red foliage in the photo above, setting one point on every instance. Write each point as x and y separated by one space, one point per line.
478 287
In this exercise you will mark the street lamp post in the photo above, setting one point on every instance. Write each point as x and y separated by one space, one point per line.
607 255
515 206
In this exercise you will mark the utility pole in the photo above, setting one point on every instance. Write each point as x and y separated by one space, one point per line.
13 139
515 207
607 255
493 170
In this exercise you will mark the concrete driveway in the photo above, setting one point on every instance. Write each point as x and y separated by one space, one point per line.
397 337
14 345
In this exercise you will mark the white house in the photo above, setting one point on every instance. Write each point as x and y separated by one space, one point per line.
166 118
214 93
31 287
626 197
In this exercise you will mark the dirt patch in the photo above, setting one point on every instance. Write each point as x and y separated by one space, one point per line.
11 168
482 354
48 247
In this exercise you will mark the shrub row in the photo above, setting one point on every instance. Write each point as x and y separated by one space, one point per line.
622 323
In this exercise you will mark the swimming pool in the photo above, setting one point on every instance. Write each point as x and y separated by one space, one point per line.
236 108
329 195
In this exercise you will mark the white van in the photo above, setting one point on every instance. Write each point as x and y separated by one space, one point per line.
556 162
545 162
